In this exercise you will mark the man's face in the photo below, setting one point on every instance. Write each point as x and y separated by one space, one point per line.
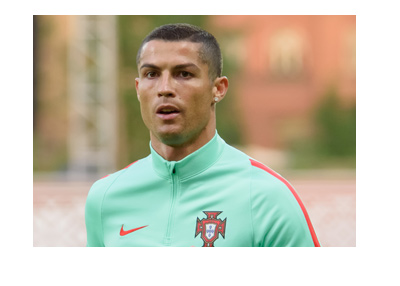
175 91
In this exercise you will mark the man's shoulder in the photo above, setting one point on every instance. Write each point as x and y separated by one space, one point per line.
265 177
271 191
265 184
270 187
235 155
256 168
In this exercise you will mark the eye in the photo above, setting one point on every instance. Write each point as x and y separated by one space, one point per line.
150 74
185 74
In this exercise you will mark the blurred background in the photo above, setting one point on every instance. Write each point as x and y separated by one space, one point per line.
291 104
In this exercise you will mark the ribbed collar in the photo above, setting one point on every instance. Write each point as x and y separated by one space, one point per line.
191 165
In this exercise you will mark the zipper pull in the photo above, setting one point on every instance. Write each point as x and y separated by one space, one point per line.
171 167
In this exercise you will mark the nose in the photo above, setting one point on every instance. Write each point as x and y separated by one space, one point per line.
165 87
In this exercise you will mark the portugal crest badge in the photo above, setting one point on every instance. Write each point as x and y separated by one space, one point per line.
210 228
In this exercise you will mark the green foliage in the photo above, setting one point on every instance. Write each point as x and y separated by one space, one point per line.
333 143
228 112
228 117
336 127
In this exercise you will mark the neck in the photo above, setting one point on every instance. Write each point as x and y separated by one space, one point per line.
178 152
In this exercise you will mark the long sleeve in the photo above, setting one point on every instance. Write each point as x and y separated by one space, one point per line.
279 216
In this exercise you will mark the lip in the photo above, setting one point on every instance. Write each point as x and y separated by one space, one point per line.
167 116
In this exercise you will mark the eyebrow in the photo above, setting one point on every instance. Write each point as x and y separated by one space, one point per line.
149 66
189 65
181 66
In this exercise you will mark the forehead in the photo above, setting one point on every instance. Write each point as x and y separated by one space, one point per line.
159 51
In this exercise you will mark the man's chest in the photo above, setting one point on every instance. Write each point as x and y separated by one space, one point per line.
190 215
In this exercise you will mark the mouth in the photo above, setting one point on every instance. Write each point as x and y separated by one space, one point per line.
167 112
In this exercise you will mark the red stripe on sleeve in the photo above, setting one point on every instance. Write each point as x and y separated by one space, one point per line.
276 175
124 168
130 164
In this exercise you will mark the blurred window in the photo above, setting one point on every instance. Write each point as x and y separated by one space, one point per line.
350 53
233 51
286 53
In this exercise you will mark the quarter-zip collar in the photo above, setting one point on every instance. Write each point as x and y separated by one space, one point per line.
191 165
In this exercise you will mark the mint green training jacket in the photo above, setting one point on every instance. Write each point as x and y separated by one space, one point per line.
216 196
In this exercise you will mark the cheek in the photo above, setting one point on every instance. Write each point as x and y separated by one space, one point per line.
200 108
145 108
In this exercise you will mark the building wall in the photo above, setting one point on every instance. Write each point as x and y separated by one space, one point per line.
287 63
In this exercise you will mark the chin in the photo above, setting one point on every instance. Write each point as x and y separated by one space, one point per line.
171 137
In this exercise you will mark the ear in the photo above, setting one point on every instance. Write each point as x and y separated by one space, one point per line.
137 88
220 87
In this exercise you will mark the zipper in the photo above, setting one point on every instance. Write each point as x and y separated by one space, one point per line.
174 180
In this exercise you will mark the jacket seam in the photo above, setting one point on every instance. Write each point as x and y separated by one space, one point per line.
251 204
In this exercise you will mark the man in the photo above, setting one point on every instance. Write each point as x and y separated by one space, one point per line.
193 189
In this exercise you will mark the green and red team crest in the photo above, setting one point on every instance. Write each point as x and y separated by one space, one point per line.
210 228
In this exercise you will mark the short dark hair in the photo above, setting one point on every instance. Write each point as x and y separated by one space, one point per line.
210 53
